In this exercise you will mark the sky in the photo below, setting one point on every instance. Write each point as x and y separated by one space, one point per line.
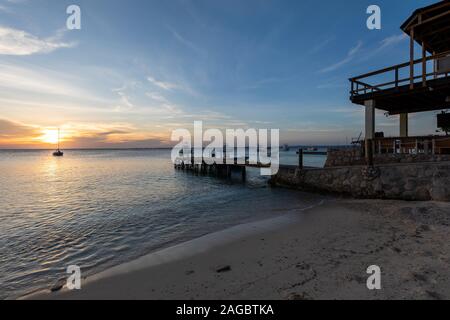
139 69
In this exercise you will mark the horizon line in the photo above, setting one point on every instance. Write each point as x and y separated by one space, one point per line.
157 148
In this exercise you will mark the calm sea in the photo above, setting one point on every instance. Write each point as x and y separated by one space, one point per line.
100 208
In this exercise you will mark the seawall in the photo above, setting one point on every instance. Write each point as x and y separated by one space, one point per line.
413 181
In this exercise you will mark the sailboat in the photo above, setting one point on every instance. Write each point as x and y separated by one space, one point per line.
58 153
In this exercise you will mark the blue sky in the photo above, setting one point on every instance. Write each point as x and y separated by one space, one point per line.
138 69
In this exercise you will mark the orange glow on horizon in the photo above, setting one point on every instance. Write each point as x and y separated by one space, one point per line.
80 135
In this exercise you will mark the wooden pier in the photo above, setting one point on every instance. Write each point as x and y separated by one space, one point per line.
225 170
218 167
218 170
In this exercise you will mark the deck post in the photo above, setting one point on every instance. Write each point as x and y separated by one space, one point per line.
424 65
411 59
300 158
396 78
225 149
370 124
434 66
403 125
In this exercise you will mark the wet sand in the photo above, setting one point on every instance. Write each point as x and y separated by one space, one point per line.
320 253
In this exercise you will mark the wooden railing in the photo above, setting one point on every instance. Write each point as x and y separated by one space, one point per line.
360 86
412 145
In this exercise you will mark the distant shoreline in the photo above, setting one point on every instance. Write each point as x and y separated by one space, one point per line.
159 148
89 149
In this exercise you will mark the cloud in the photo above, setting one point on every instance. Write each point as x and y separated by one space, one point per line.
392 40
110 135
39 80
21 43
267 81
350 55
161 84
384 44
12 133
186 42
125 103
318 47
156 97
11 128
331 85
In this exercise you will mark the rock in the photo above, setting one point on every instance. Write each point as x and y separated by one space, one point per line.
408 195
299 296
440 191
223 269
406 211
435 295
423 228
420 277
422 194
58 285
410 185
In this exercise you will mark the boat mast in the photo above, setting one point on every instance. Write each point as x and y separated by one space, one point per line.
58 138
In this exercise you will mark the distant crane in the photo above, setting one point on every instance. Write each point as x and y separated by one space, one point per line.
357 140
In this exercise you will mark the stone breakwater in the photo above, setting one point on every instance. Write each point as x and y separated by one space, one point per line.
418 181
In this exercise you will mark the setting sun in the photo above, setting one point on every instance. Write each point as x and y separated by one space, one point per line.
49 136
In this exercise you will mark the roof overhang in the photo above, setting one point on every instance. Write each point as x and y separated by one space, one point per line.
431 26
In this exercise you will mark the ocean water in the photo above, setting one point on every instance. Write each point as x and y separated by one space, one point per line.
100 208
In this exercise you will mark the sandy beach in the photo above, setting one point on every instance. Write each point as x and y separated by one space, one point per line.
319 253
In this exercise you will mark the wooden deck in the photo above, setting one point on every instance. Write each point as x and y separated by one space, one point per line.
426 91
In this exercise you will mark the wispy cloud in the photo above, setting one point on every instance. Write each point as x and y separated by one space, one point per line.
125 103
21 43
107 135
178 85
330 85
155 96
15 130
38 80
383 45
392 40
162 84
184 41
350 55
319 46
267 81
